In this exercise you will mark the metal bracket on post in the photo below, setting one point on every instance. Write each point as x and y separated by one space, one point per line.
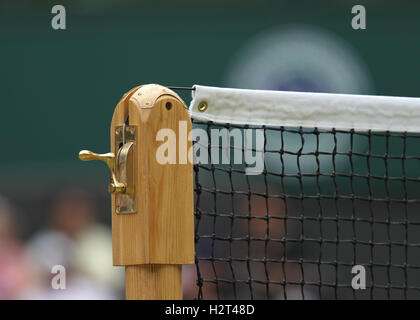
121 169
125 142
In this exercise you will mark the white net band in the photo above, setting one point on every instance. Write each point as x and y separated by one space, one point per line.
301 109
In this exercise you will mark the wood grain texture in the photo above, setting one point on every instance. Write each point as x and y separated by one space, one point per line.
120 113
162 230
154 282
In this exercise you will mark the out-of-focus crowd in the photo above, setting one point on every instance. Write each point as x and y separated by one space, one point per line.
73 238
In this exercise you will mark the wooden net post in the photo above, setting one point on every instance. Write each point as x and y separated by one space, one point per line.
152 201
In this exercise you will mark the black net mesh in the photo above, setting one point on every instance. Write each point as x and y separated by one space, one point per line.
324 202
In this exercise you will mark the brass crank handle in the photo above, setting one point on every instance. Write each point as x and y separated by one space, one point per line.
115 187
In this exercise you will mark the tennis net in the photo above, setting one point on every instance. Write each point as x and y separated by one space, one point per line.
306 195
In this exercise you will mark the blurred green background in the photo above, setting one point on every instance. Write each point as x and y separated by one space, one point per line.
59 87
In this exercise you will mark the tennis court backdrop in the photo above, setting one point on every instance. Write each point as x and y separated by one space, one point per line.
72 80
